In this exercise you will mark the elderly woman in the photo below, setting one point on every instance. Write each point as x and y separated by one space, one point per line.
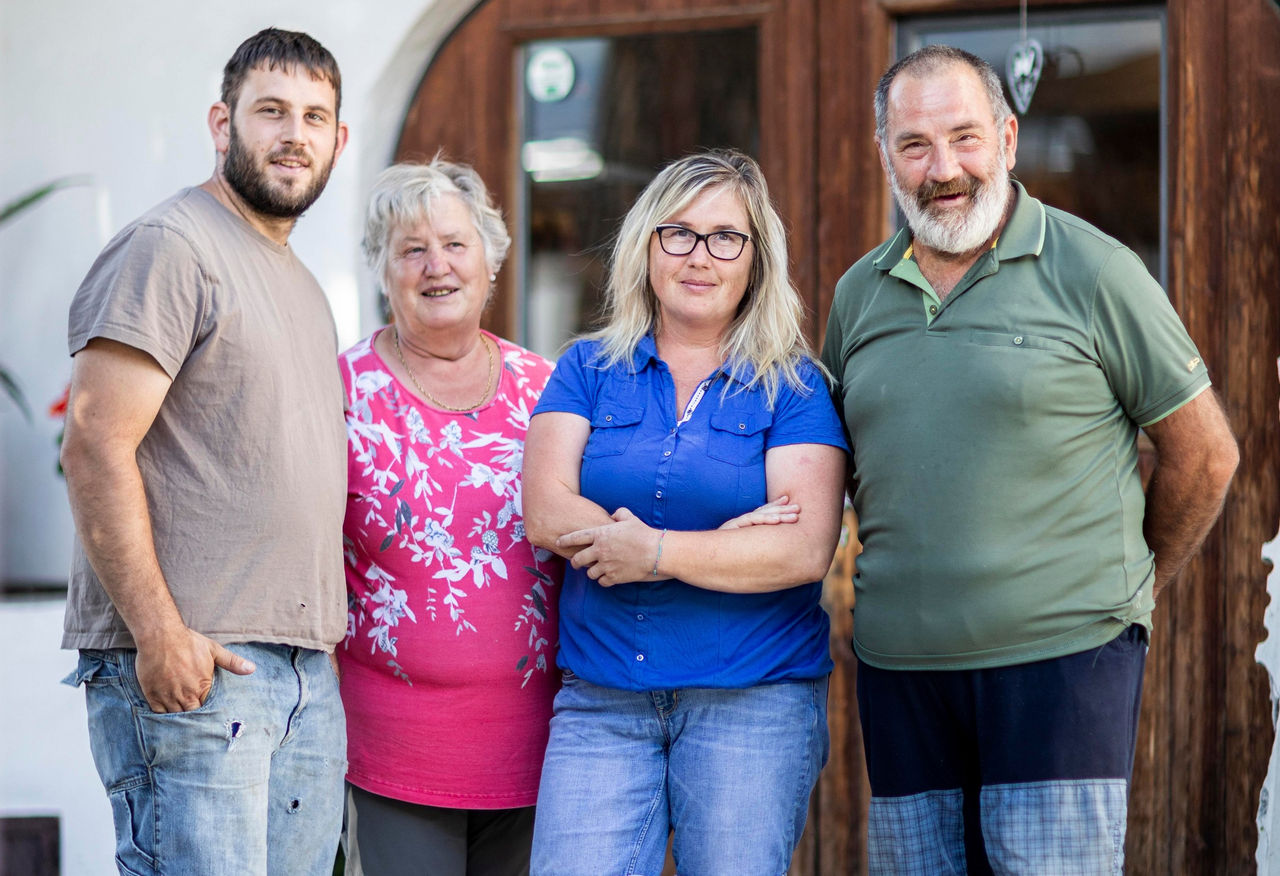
445 673
692 645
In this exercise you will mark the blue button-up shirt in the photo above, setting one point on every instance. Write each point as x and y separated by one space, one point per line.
685 474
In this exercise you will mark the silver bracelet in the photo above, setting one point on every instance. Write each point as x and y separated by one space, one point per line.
658 558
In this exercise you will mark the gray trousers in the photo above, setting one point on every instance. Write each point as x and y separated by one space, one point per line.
386 837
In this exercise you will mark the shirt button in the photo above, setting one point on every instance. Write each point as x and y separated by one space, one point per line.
641 616
608 418
933 310
1018 339
658 494
742 425
666 453
639 658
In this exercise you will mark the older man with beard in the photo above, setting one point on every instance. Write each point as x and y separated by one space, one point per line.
206 459
993 364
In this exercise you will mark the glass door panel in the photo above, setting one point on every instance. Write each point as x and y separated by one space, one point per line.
599 117
1091 141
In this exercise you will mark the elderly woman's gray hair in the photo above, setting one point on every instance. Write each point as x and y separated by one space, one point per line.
404 194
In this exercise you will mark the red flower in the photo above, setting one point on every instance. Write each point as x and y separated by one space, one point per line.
58 409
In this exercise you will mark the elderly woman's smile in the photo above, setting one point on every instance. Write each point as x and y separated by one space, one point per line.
438 258
437 413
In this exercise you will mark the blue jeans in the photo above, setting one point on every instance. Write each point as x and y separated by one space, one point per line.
249 783
728 771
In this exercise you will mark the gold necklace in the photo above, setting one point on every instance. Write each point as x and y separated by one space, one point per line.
413 378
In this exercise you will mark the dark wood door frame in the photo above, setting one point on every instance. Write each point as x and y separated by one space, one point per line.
1205 732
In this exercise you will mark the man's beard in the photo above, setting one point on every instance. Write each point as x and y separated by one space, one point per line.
951 231
253 185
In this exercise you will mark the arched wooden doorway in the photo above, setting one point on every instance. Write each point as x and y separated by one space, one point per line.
469 106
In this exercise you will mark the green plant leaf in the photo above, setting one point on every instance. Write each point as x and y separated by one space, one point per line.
7 212
14 392
35 196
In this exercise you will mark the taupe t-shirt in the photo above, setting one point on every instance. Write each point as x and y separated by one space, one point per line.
245 465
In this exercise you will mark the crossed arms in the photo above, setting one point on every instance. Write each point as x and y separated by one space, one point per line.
785 543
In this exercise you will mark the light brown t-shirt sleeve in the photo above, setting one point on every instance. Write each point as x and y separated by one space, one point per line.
146 290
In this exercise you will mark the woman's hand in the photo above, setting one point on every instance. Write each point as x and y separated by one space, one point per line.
628 550
780 510
615 553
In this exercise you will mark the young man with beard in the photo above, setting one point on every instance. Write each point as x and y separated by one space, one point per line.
993 362
205 459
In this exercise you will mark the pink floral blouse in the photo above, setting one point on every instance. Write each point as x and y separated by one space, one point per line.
448 665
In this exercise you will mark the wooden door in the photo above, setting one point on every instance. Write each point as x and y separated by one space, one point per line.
467 106
810 87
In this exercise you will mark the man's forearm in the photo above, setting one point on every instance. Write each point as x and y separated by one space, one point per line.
1181 508
116 392
109 504
1196 456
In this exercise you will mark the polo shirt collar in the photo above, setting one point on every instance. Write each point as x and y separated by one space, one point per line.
892 252
1023 234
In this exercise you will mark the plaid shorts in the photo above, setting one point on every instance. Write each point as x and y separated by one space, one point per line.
1017 769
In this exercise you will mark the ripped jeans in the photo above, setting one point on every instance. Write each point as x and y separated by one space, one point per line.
249 783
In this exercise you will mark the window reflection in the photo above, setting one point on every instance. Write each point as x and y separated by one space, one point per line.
1090 142
594 132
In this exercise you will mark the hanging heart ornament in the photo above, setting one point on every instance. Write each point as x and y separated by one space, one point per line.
1022 71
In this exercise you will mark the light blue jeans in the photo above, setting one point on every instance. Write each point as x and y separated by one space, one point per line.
249 783
729 771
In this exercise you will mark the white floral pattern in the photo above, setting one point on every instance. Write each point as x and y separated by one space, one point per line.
434 524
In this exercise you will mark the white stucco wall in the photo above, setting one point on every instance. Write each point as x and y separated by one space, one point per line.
1268 654
119 93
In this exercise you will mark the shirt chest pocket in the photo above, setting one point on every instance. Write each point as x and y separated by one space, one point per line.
738 436
1016 342
612 428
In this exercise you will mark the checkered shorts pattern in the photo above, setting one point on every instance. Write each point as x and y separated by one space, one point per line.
1063 828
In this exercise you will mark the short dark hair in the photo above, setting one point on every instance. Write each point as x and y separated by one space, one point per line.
287 49
929 60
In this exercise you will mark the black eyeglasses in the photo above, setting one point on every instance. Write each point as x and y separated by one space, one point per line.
676 240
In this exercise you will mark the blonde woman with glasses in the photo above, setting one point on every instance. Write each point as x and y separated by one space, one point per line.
688 461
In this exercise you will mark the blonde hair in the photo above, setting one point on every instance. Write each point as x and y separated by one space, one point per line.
405 193
766 333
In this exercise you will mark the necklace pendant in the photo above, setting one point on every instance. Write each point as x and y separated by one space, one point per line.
489 384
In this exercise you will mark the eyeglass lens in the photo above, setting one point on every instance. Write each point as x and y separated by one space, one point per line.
677 240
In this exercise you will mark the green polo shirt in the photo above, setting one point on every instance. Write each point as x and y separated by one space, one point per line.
993 433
